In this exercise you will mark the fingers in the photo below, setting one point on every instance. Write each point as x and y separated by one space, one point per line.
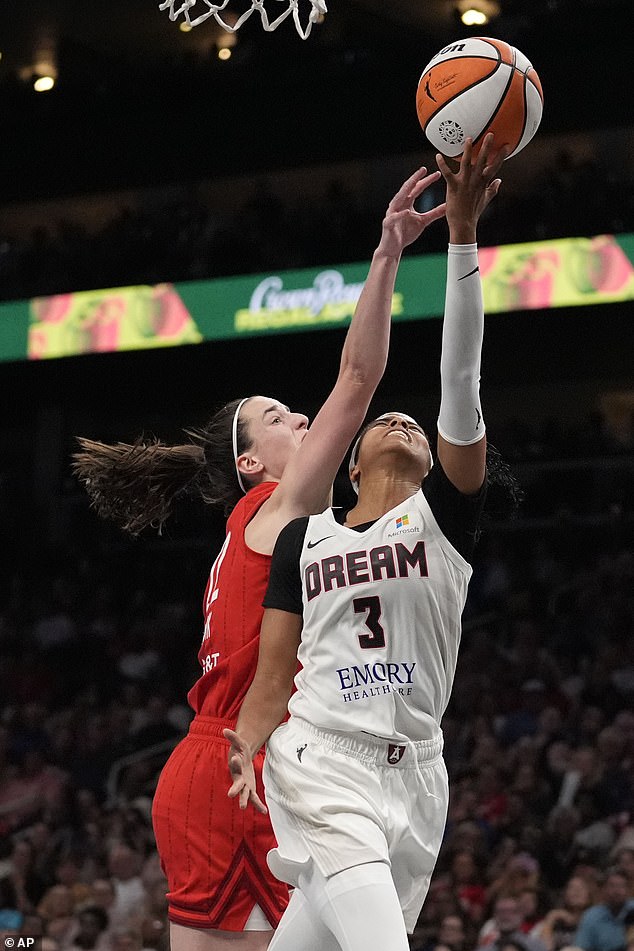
245 795
465 161
490 161
491 170
435 213
235 739
412 188
443 165
419 219
409 183
485 166
493 188
421 185
241 789
258 804
236 788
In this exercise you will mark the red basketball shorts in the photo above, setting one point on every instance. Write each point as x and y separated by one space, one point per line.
213 853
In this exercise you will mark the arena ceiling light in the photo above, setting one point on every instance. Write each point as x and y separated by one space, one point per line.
43 83
477 12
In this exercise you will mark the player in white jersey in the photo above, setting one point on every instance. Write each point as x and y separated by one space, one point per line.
370 602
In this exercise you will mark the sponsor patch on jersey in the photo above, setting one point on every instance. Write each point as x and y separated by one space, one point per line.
402 520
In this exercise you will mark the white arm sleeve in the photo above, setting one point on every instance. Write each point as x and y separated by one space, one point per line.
460 418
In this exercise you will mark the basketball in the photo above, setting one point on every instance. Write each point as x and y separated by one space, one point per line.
479 85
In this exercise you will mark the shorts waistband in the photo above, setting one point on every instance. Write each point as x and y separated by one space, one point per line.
210 726
375 749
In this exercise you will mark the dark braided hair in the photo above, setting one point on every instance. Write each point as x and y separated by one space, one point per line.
504 492
135 485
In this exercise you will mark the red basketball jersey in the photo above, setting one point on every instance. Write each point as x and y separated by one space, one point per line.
233 612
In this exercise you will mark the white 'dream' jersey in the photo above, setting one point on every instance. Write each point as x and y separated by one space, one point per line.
381 624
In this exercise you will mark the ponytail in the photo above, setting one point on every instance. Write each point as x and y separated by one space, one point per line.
135 485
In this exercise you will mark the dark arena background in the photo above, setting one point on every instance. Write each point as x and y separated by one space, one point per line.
147 191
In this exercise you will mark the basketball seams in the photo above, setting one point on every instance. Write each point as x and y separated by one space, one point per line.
536 86
535 82
499 104
525 117
489 42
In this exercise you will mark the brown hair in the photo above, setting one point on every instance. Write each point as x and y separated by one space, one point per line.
136 484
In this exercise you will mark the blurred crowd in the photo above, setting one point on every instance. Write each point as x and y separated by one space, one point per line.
98 647
185 237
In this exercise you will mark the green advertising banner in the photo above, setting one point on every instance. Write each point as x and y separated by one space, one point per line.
564 273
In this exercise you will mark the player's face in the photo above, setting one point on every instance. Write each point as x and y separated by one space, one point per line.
275 432
399 443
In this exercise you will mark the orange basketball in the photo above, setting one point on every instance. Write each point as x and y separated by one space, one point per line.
475 86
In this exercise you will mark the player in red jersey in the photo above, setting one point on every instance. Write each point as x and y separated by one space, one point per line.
266 466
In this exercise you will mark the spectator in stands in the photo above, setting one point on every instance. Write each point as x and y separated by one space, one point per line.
615 785
506 926
624 862
46 943
11 917
603 927
124 865
518 873
67 872
126 939
102 894
34 786
558 927
452 933
467 886
152 919
56 910
29 887
92 930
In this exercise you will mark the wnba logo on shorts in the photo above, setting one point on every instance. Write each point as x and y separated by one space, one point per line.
395 753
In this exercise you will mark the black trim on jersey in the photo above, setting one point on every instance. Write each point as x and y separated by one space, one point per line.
284 590
458 516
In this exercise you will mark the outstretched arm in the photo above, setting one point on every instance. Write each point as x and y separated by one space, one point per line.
461 430
265 704
307 479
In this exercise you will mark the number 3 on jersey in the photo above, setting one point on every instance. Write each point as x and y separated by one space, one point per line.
371 607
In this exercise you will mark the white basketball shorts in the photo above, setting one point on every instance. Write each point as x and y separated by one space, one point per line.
346 799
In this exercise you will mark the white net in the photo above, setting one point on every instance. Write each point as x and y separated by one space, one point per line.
303 16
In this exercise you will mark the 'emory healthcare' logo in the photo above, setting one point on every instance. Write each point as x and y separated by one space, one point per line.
395 753
402 520
375 680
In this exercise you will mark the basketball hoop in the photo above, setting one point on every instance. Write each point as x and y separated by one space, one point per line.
317 12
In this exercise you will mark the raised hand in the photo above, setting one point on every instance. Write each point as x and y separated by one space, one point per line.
242 773
471 187
402 224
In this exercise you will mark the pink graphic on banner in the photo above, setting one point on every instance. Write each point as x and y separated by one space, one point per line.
126 318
